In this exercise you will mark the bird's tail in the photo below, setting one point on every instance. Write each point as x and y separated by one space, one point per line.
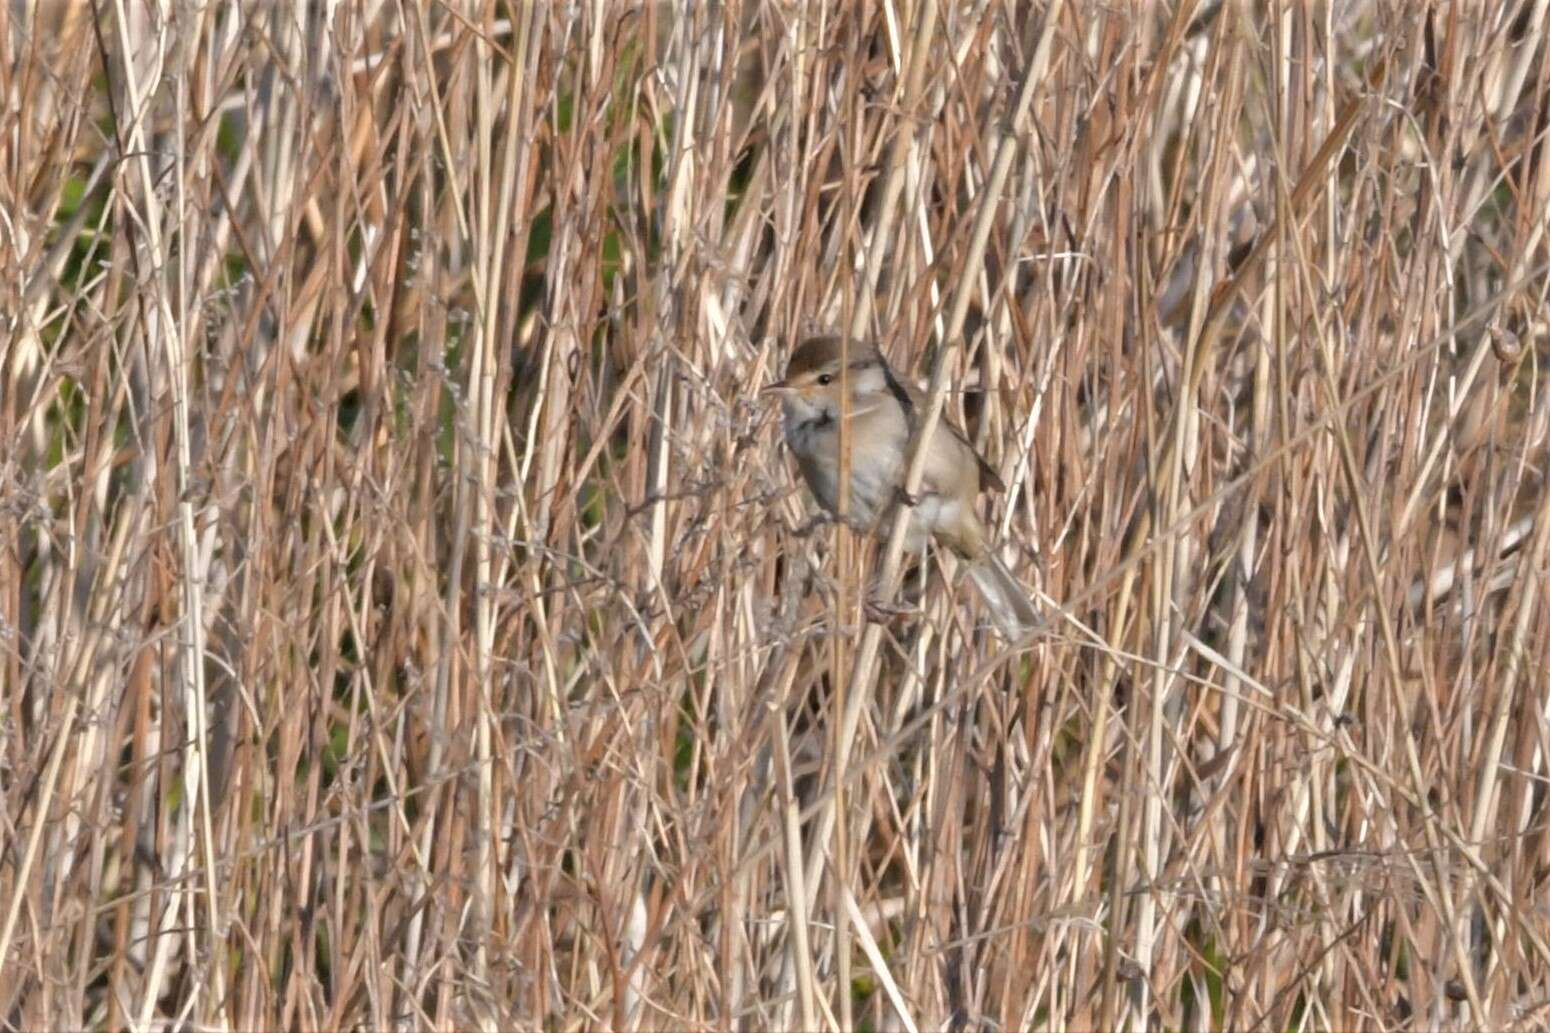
1009 604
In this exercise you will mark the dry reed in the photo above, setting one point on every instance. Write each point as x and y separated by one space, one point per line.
408 617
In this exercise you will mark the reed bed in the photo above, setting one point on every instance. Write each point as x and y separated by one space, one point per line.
409 617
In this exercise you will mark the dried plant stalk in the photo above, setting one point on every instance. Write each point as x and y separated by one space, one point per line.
408 617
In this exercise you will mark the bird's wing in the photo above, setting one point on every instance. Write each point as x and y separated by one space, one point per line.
915 400
990 479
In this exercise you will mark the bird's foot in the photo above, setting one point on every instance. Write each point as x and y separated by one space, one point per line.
821 520
880 612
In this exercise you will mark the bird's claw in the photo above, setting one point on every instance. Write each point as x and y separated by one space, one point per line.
821 520
879 612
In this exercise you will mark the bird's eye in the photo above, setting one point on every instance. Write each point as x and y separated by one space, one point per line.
825 379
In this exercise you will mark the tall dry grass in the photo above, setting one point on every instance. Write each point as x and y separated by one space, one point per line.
408 617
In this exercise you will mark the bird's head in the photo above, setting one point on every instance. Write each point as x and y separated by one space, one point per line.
823 367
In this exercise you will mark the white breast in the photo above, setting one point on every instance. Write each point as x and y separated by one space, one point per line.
878 441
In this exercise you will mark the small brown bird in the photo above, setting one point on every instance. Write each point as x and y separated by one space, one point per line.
883 414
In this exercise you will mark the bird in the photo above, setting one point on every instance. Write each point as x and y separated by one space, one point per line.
827 381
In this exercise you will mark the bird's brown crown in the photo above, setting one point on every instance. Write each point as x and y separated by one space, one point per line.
819 353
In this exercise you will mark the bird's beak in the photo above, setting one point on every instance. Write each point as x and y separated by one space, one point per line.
780 387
